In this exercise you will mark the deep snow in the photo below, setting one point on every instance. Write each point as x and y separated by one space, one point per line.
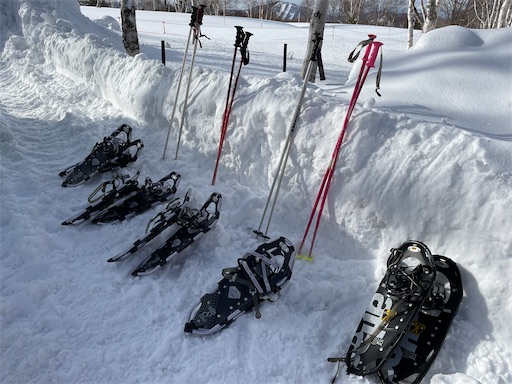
430 160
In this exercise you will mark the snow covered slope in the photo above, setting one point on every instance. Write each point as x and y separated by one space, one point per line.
430 160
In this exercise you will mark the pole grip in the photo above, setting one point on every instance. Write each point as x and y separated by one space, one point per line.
239 36
375 47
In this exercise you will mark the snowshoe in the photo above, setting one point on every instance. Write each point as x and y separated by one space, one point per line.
155 227
134 204
121 186
416 352
260 275
406 285
192 223
113 152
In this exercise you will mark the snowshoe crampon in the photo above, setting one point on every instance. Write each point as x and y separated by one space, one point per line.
107 193
144 198
260 275
115 151
417 350
406 285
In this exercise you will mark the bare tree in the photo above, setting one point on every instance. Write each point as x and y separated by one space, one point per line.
316 29
493 14
505 15
308 5
457 12
129 26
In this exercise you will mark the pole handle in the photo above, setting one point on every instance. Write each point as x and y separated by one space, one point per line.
375 47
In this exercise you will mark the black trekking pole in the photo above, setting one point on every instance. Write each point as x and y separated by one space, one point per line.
238 42
244 60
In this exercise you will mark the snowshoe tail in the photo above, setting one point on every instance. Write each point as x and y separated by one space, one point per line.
156 226
260 275
192 224
416 352
113 152
408 282
145 197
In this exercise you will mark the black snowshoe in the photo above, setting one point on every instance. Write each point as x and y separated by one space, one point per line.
144 198
155 227
411 360
417 291
114 151
121 186
191 224
260 275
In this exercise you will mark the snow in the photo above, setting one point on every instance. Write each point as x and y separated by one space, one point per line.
430 160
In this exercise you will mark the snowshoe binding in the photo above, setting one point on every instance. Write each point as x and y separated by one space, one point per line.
416 352
120 187
191 224
406 285
156 226
146 196
260 275
115 151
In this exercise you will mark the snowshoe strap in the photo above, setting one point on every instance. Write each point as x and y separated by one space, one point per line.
233 274
250 274
266 259
161 216
116 182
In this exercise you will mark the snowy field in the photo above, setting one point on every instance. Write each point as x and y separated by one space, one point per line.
429 160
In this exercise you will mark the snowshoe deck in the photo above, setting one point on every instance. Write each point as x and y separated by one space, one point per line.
416 352
121 189
260 275
113 152
149 194
192 223
393 308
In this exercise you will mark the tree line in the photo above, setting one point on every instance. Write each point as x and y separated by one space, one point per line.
480 14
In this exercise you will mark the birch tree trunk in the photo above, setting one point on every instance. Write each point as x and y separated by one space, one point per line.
430 16
129 26
411 20
316 26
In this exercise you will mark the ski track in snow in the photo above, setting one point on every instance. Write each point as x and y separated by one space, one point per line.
431 160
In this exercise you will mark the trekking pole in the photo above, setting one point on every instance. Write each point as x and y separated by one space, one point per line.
372 49
244 60
276 184
239 40
179 81
197 34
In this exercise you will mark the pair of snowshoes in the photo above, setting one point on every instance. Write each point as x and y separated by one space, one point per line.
124 196
408 317
259 276
115 151
186 224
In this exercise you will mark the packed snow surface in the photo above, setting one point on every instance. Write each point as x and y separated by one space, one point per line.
429 160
